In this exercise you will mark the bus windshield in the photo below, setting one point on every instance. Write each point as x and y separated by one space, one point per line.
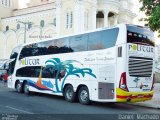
13 56
139 35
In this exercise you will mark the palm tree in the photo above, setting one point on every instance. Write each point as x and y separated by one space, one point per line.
59 66
69 68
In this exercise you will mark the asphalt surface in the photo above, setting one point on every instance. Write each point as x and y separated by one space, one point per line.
38 105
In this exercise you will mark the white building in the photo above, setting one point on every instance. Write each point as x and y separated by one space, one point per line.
50 18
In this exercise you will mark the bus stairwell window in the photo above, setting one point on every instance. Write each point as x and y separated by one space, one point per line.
119 51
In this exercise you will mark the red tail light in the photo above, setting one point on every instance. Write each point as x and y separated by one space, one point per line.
123 83
153 82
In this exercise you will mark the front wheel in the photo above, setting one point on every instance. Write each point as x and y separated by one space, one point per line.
83 95
69 94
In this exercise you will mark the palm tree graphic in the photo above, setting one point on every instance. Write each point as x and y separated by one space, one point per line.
65 69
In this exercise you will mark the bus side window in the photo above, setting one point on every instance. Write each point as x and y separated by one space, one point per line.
94 41
79 43
109 37
49 72
31 71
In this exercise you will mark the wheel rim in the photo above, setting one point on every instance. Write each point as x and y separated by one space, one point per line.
26 88
18 87
69 94
84 95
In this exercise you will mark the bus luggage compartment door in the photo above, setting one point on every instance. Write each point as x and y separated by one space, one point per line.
105 90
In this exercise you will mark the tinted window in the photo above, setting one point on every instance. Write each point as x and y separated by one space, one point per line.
32 71
91 41
140 36
109 37
46 48
94 42
103 39
52 72
79 43
49 72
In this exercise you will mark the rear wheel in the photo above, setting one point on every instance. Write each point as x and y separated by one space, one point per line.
18 87
26 88
69 94
83 95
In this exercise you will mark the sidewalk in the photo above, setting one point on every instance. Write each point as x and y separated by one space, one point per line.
155 102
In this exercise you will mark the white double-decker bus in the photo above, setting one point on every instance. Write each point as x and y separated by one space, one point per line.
107 65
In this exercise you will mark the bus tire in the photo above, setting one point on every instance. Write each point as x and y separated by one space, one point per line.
26 88
83 95
18 87
69 94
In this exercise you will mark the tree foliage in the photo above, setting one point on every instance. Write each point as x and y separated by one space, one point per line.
152 11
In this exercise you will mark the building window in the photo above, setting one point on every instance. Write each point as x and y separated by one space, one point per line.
6 1
54 22
9 3
71 20
7 28
18 26
42 23
29 25
67 20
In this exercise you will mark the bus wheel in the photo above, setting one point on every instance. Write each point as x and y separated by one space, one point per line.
69 94
26 88
18 87
83 95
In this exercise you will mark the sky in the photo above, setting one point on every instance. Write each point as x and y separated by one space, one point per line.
137 5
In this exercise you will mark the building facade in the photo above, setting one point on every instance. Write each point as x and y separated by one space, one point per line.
49 18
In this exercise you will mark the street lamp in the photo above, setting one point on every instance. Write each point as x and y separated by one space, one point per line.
25 28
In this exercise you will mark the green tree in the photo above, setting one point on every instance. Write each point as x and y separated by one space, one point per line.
152 11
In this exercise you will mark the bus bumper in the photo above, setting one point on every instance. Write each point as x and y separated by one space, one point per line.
124 96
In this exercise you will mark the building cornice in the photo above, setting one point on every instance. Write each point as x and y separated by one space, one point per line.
24 15
35 9
113 2
128 12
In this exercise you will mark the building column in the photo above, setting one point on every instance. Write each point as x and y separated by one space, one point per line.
79 17
94 13
106 12
115 19
58 16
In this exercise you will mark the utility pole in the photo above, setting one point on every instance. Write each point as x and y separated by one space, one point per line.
25 28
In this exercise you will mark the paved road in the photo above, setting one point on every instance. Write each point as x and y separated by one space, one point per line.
16 103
